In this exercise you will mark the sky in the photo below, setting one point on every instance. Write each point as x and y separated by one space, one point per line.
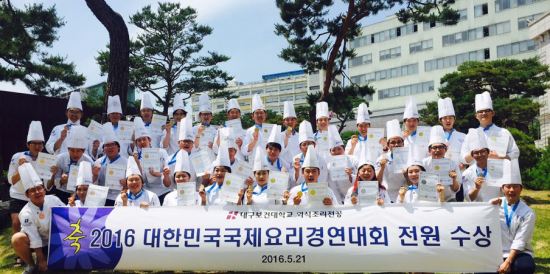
242 30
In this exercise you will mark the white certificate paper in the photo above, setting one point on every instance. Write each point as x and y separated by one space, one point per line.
337 168
113 175
95 130
73 174
44 163
278 184
400 157
157 123
317 193
498 143
232 185
374 135
441 167
367 192
201 161
150 158
427 187
494 171
265 131
423 134
126 129
186 193
243 169
96 196
235 124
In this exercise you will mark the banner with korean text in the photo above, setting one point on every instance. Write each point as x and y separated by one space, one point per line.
453 237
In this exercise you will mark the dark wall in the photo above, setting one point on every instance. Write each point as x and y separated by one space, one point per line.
17 110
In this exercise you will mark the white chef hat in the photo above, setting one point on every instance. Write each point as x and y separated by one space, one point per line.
35 132
233 103
475 139
288 110
113 105
186 129
132 167
260 161
222 159
334 138
511 174
415 156
483 101
445 107
146 102
411 110
28 175
437 136
84 174
178 103
77 137
311 159
393 129
204 103
182 163
305 132
75 100
321 110
109 135
363 114
275 136
139 129
257 103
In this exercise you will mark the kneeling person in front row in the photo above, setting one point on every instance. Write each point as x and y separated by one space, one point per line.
35 221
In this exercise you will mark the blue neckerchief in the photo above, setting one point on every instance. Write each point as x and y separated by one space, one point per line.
27 153
71 162
213 186
115 126
279 166
110 161
304 187
261 191
205 124
483 172
302 159
147 124
258 126
362 139
139 153
448 134
412 187
413 133
173 159
510 215
135 197
174 125
488 127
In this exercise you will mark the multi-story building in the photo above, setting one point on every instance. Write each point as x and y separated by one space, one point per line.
539 31
274 90
401 60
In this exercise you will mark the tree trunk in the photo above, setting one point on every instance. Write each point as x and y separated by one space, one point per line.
119 47
334 51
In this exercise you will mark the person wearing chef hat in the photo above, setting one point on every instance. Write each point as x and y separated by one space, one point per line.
204 131
63 173
146 109
517 223
182 175
291 140
256 135
114 114
322 118
501 143
135 194
305 139
454 138
35 145
82 182
233 115
56 142
392 179
35 221
169 140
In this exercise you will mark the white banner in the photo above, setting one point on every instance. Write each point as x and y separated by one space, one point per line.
452 237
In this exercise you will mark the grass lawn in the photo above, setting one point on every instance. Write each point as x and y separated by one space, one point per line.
538 200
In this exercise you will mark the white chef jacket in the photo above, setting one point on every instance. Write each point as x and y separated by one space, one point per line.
520 233
486 193
143 196
103 162
304 200
35 221
56 133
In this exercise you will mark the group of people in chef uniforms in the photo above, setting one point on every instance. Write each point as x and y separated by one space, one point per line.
145 163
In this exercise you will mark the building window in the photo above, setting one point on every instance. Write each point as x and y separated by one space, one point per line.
286 98
477 33
272 99
244 93
257 91
361 60
501 5
300 85
405 90
456 60
515 48
384 35
523 22
390 53
463 15
271 89
300 96
285 87
385 74
480 10
420 46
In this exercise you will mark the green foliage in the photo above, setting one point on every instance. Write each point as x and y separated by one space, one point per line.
511 83
24 34
539 174
165 60
346 135
273 117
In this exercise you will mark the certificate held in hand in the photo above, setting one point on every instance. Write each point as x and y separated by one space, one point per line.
441 167
367 192
337 168
73 174
232 185
113 175
277 184
44 163
201 161
96 196
427 187
317 193
150 159
186 194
